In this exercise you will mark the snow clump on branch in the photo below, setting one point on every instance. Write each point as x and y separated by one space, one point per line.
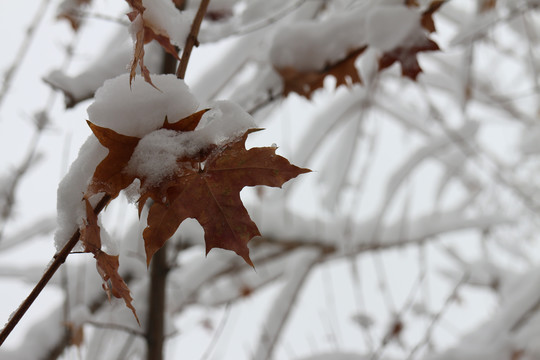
312 45
133 112
141 109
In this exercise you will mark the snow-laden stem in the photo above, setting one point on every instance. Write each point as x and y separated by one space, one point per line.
191 39
58 259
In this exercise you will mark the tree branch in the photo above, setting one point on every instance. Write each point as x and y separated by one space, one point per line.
155 330
156 307
59 259
192 39
114 326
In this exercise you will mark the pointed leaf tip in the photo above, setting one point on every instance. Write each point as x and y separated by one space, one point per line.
189 123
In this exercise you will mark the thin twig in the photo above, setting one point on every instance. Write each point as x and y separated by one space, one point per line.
117 327
435 319
59 259
218 332
192 39
260 24
88 15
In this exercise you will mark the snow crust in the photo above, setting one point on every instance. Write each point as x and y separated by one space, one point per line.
155 156
312 45
383 21
70 207
141 109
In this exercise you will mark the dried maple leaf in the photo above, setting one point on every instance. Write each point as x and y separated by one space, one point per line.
305 83
136 5
110 176
145 33
211 195
206 186
406 56
107 265
427 15
189 123
138 59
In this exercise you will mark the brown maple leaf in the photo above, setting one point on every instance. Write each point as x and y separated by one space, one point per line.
305 83
110 176
427 15
146 33
107 265
189 123
211 195
206 186
406 56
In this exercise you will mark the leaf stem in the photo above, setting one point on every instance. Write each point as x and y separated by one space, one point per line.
59 259
192 39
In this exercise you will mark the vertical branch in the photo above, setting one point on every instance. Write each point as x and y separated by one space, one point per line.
155 330
159 268
156 307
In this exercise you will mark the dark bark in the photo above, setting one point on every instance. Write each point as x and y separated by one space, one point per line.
159 269
155 335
